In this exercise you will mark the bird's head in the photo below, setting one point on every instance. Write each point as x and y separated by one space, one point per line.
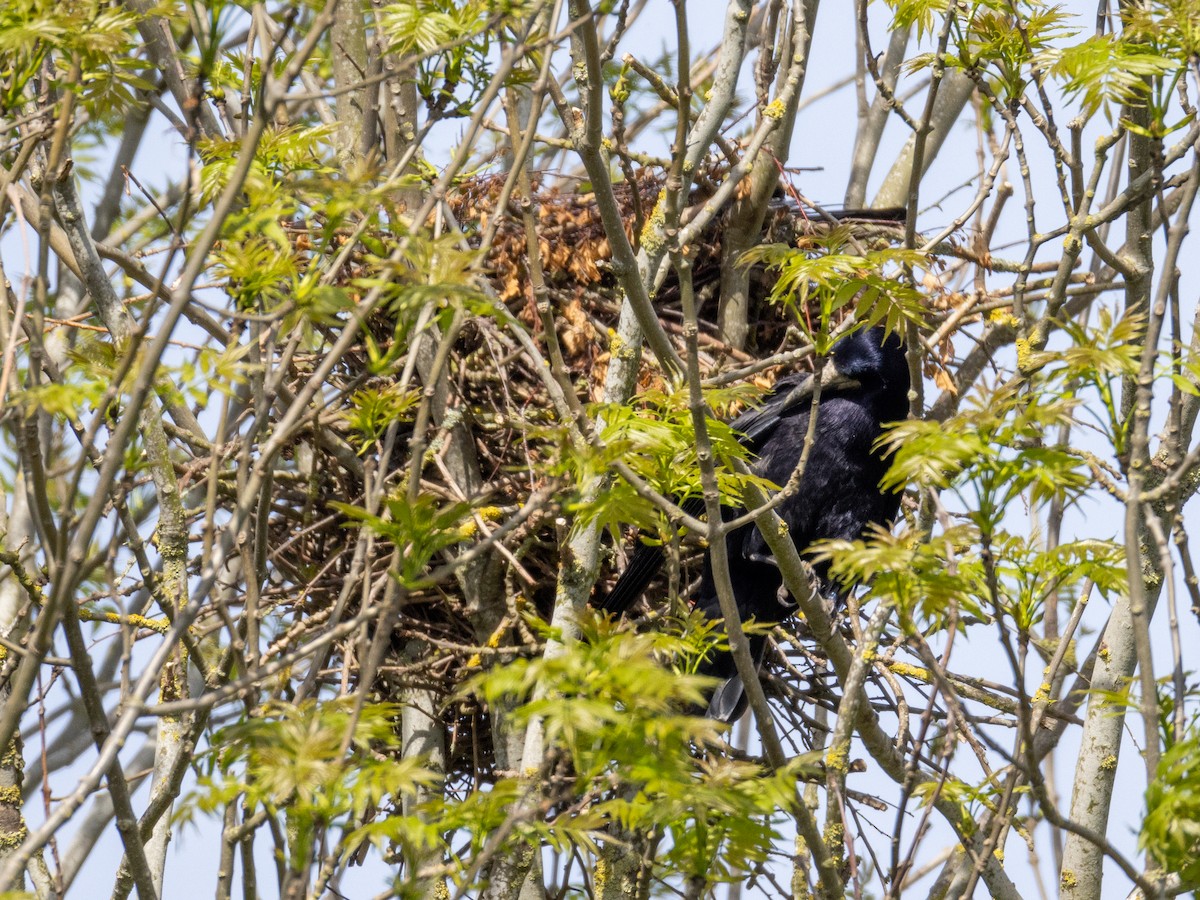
870 356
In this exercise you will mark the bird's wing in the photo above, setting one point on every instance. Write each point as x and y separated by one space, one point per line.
754 428
647 559
756 425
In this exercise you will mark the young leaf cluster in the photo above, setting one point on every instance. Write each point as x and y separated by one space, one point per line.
994 456
822 275
452 40
1170 832
418 529
290 759
656 438
1016 45
97 37
637 758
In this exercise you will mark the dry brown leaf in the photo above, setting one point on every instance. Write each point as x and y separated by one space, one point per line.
944 382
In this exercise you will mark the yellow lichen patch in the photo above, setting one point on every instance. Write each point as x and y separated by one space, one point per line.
492 642
652 231
487 513
1024 353
909 670
1004 317
600 873
838 760
134 620
834 836
12 758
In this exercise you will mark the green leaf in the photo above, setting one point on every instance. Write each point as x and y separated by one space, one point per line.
418 529
1170 832
1107 69
290 757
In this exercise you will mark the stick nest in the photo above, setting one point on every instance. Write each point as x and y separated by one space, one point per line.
491 395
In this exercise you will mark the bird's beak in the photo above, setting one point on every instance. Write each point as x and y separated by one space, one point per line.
831 379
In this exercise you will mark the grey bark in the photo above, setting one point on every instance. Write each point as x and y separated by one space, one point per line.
356 115
1081 876
422 736
952 97
168 59
746 216
872 124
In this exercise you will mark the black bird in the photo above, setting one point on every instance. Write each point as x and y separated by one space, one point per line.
838 498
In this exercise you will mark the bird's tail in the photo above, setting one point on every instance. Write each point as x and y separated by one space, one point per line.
729 701
645 563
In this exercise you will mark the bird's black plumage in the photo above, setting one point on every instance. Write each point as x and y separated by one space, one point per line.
838 497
